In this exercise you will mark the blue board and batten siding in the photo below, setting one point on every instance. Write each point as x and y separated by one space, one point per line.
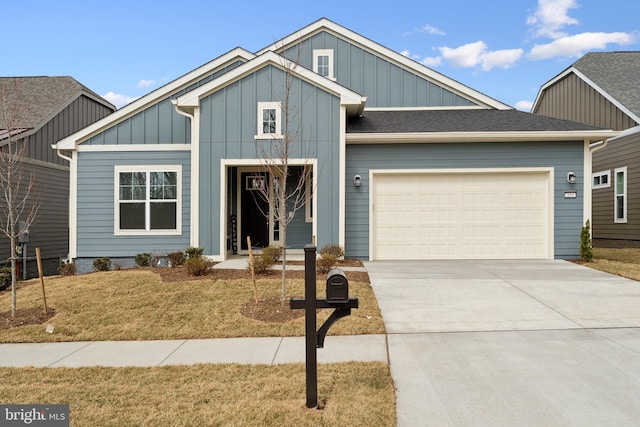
228 128
95 208
562 156
385 84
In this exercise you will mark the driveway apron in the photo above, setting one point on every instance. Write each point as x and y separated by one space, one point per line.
495 343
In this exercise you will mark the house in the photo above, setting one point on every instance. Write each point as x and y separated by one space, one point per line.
46 109
603 89
405 163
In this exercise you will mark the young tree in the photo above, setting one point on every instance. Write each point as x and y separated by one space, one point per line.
18 202
285 196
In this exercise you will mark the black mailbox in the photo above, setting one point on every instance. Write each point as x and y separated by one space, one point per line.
337 286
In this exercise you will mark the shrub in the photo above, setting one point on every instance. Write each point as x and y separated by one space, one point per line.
5 278
325 263
67 269
334 250
586 250
102 264
176 259
143 259
271 253
198 265
192 252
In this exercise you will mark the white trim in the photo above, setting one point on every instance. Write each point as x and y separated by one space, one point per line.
71 142
309 190
329 54
516 136
342 178
550 253
436 108
393 57
117 169
601 174
123 148
589 82
271 105
347 96
251 165
624 194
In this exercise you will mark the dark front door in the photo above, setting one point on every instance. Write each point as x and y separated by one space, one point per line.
254 209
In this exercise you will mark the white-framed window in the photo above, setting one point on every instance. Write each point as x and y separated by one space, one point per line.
269 120
601 179
148 200
323 62
620 195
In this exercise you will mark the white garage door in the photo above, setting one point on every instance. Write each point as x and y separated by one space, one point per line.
458 215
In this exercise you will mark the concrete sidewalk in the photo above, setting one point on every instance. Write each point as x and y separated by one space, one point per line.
267 351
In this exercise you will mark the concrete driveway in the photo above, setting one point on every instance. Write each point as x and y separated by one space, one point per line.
501 343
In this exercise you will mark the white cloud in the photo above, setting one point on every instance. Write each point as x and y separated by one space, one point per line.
551 16
430 29
435 61
500 58
464 56
524 105
117 99
576 45
478 54
145 83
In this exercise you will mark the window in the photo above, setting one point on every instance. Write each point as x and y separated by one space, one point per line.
601 180
148 200
269 120
620 201
323 62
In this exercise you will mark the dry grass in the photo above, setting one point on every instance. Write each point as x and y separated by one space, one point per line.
353 394
621 261
137 305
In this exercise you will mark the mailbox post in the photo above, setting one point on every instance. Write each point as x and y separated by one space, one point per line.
337 297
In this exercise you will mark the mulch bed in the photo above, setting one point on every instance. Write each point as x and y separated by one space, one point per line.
28 316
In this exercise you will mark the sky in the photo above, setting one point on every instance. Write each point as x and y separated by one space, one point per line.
122 50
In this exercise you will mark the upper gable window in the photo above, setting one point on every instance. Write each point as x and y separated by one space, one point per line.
269 120
323 62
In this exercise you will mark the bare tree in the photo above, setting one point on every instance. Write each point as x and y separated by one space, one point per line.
285 196
18 201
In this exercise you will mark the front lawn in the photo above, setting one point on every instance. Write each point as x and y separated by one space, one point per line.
137 304
621 261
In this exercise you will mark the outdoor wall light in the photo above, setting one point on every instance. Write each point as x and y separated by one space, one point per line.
571 178
357 180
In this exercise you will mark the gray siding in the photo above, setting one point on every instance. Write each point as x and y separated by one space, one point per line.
50 231
572 99
96 204
158 123
385 84
562 156
228 128
624 152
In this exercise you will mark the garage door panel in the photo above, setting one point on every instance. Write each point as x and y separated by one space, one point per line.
460 215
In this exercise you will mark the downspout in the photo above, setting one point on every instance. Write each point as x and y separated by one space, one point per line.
588 170
195 172
72 204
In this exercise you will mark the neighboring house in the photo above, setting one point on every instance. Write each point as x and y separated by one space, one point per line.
47 109
603 89
407 163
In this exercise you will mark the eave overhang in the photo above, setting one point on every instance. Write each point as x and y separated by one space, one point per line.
453 137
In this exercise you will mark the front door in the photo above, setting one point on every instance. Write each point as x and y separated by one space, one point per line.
254 209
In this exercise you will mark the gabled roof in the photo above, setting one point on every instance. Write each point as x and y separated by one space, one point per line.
615 75
354 101
184 82
396 58
467 125
41 98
